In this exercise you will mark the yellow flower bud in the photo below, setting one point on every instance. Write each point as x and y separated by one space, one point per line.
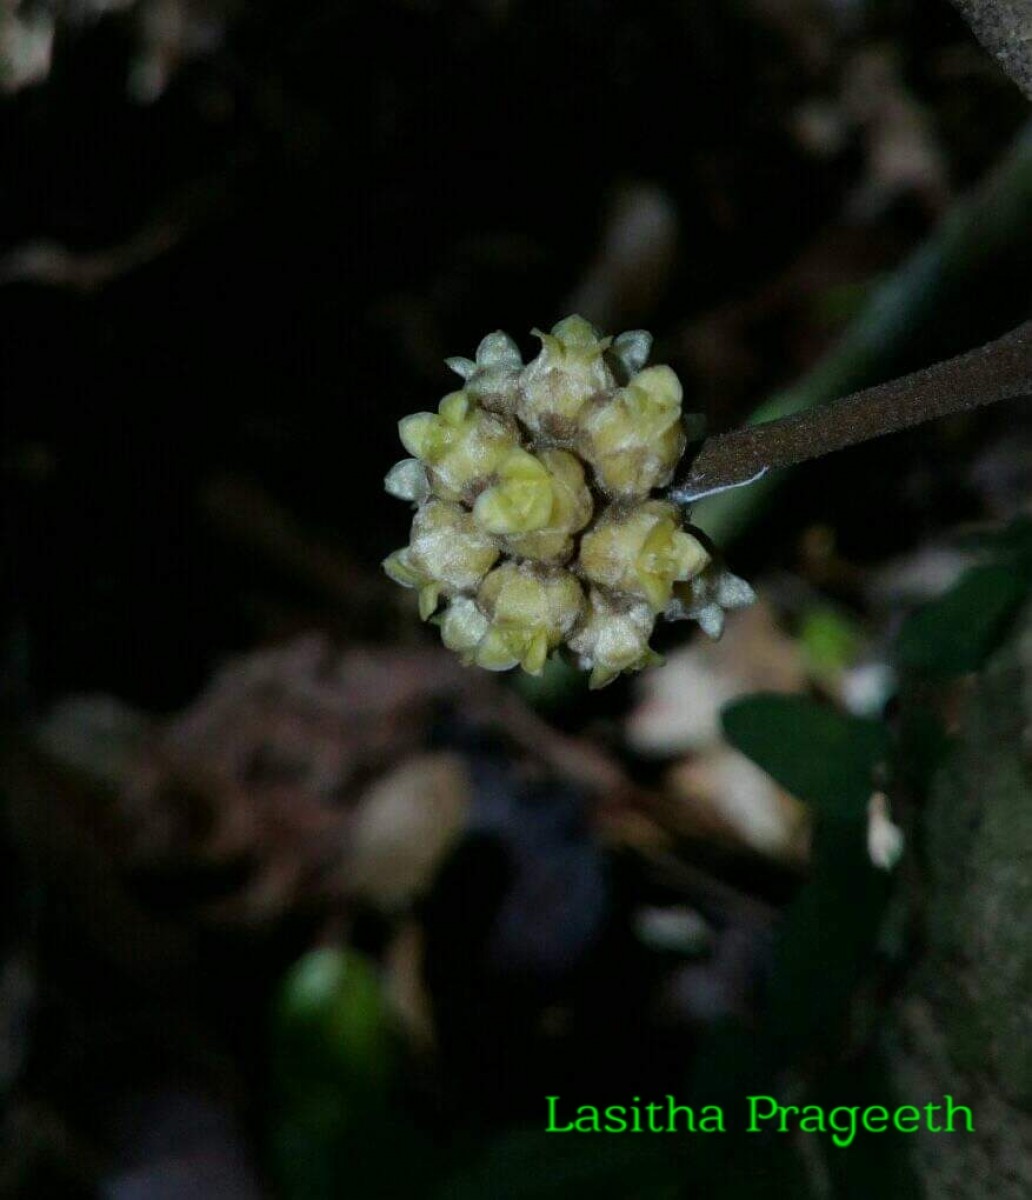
461 445
555 387
614 637
572 508
635 440
400 567
448 553
538 503
642 551
520 501
531 610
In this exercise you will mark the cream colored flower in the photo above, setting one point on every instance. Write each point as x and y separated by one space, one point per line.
538 503
531 610
463 627
635 440
642 551
556 386
460 444
614 637
520 499
448 553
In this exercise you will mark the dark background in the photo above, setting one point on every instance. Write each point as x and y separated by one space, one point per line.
238 242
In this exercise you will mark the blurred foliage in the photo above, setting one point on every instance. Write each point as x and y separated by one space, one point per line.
958 632
830 640
831 761
336 1056
340 1128
822 756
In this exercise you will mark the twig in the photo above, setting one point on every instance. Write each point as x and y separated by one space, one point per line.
920 314
1001 370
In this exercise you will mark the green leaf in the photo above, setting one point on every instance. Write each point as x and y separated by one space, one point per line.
337 1128
332 1020
958 632
823 757
826 941
829 931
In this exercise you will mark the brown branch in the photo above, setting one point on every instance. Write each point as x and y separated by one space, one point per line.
1001 370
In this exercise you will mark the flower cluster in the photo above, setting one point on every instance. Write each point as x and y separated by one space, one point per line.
537 524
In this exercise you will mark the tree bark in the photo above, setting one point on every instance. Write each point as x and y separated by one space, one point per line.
1004 27
964 1024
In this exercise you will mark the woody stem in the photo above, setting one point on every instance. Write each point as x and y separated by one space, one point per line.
1000 370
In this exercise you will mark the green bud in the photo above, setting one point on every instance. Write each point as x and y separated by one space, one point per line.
531 610
520 501
561 505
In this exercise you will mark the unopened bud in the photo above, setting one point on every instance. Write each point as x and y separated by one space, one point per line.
707 597
642 552
460 444
448 553
538 501
635 440
531 610
555 387
493 378
614 637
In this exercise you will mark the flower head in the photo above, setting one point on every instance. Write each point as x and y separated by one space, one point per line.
537 525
